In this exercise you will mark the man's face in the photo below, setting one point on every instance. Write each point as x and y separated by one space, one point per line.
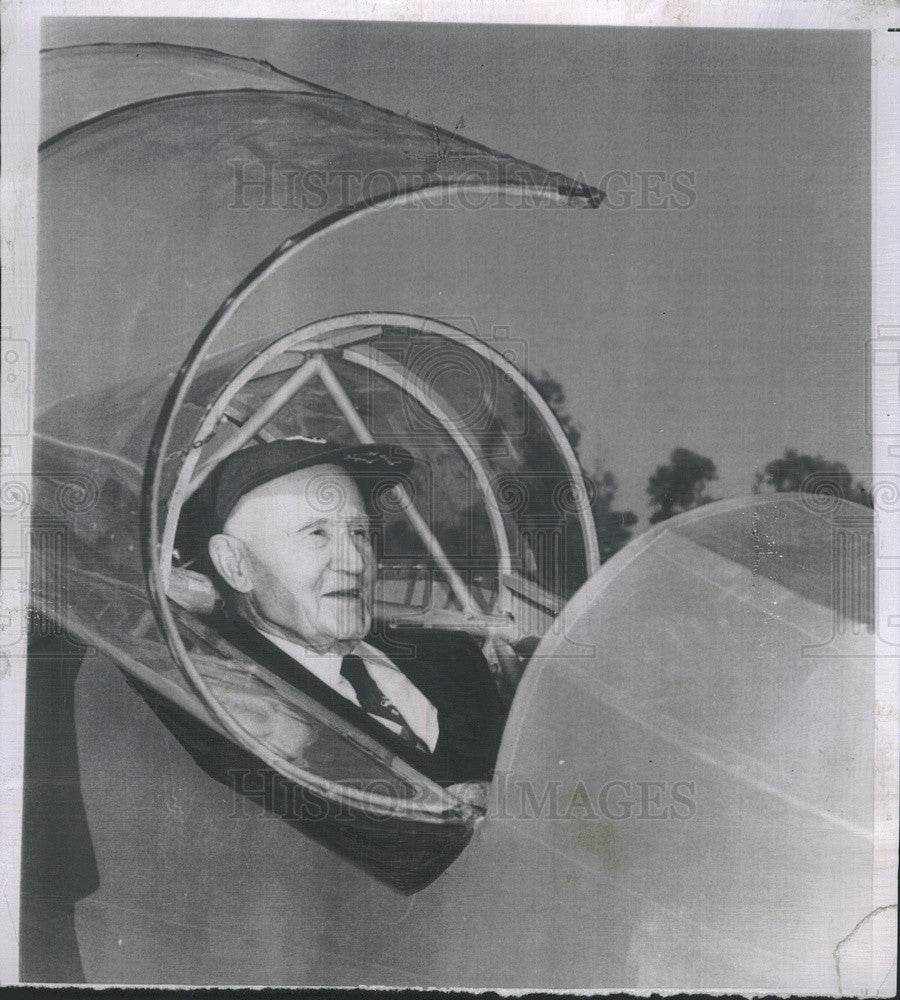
306 546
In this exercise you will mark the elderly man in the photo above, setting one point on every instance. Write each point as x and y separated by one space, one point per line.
293 544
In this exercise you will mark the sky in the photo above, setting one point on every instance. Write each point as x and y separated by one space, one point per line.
735 326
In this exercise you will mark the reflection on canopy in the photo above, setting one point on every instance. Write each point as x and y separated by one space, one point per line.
153 213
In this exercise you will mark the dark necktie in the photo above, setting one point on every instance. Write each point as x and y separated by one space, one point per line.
373 701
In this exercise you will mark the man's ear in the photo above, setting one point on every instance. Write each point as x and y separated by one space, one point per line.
229 556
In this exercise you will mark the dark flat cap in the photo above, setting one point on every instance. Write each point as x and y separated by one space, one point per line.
245 470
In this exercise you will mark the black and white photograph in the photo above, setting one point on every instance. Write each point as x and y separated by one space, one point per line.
448 483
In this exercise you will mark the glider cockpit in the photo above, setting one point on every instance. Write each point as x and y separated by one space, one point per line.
491 534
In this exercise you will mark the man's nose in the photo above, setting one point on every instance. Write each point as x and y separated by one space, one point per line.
352 553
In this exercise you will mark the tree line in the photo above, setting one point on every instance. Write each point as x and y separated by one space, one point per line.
684 481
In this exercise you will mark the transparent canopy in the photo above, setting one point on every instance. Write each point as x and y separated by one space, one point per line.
495 500
174 328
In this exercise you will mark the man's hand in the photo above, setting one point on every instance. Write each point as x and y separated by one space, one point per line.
473 793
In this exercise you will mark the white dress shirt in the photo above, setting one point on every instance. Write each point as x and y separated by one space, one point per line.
421 716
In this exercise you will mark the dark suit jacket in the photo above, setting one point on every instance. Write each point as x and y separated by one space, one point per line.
447 667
